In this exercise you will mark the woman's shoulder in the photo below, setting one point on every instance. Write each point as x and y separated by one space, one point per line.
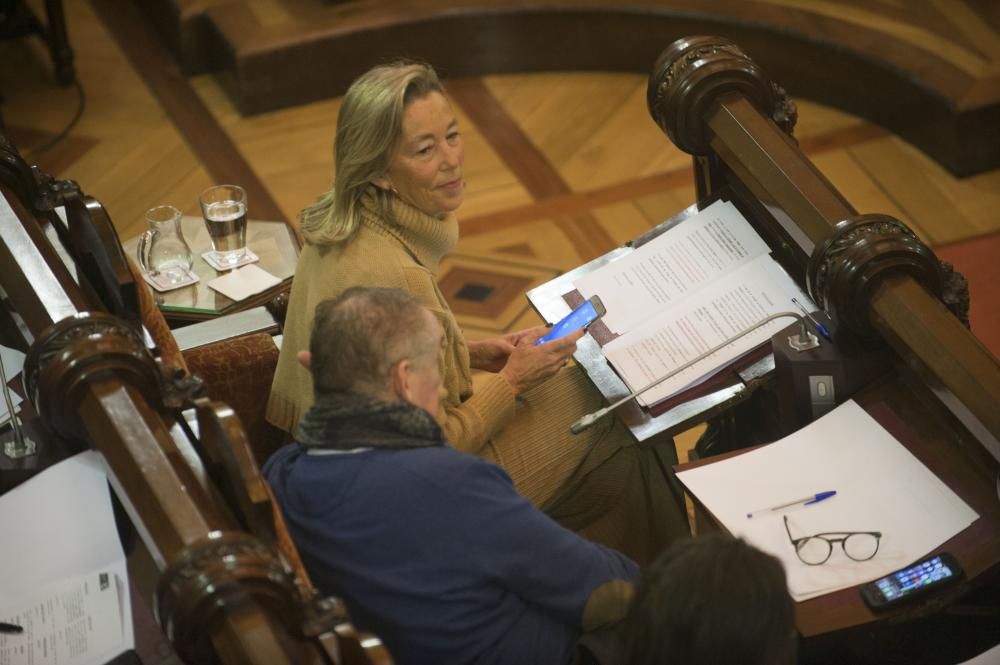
360 262
364 250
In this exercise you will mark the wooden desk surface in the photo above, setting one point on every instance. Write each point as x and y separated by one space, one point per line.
911 414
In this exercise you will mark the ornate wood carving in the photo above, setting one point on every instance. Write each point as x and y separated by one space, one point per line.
88 235
37 189
955 292
858 252
90 346
785 113
694 72
224 567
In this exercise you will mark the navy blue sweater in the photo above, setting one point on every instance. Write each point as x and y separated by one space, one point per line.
436 553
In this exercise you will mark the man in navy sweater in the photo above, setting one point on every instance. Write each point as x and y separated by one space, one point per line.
433 550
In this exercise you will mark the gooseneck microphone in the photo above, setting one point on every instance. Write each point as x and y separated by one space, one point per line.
801 342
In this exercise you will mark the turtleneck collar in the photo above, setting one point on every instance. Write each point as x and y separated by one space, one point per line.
428 238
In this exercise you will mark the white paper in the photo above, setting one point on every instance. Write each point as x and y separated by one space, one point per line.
988 657
720 311
243 283
673 266
698 284
880 486
71 620
13 363
59 534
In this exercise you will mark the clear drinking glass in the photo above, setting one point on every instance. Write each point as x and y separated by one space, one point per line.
224 208
162 250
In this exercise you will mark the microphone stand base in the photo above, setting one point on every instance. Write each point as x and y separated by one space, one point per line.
19 450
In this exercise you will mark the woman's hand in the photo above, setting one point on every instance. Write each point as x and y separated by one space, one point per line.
529 365
491 354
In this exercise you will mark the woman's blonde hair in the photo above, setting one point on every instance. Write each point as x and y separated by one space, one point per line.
368 128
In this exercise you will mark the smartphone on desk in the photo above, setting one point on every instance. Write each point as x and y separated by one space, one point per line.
911 582
581 317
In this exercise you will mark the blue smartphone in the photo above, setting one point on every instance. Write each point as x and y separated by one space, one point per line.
581 317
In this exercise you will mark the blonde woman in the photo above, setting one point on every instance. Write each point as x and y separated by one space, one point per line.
388 222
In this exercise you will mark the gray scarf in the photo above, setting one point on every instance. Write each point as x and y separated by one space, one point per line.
345 422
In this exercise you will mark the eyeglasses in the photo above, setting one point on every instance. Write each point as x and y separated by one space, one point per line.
816 549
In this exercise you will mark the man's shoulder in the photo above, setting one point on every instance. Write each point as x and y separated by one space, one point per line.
444 461
425 472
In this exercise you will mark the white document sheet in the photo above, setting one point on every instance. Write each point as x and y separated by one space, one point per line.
67 621
676 264
698 284
13 363
880 486
720 311
988 657
62 569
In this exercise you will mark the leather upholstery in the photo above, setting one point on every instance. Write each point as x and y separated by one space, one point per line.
238 372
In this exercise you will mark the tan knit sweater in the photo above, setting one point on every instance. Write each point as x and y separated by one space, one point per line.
528 436
406 256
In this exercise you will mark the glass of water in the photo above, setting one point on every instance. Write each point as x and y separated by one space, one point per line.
224 208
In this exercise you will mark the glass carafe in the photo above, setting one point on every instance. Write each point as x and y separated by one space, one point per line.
162 250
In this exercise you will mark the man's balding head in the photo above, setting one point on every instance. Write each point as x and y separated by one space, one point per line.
379 343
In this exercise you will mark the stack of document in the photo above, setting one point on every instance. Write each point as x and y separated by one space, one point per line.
879 484
690 289
62 569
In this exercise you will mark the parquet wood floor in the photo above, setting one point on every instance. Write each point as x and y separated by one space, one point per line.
561 167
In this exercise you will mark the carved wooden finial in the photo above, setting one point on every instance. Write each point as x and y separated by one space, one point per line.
857 254
693 72
223 569
70 354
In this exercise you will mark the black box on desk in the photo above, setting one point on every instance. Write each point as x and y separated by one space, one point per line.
810 383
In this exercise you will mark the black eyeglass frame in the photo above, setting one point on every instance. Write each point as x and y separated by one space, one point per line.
798 542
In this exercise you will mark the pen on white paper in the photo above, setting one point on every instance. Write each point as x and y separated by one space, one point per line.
802 502
880 485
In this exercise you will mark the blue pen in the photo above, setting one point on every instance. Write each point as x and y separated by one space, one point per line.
819 326
804 501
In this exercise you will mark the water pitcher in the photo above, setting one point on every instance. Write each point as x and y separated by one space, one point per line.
162 250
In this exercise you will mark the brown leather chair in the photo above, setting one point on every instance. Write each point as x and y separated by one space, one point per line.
237 370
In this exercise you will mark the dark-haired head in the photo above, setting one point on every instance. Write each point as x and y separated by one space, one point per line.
712 600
